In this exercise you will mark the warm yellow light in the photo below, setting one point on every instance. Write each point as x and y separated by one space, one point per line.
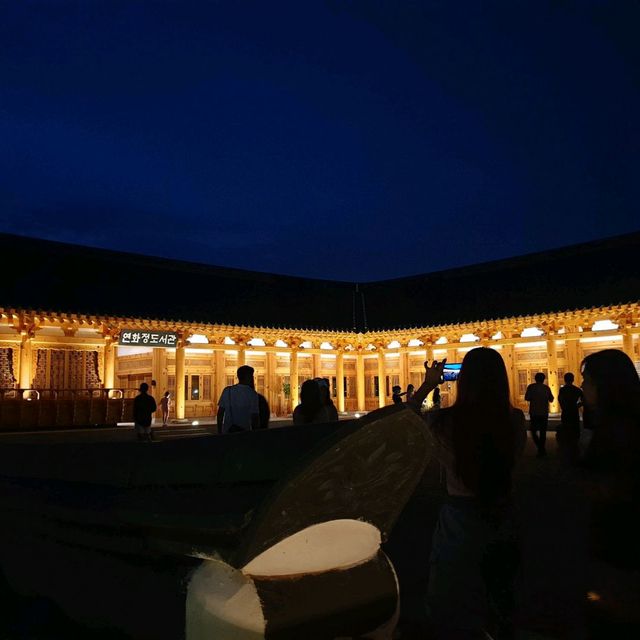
593 596
442 340
531 332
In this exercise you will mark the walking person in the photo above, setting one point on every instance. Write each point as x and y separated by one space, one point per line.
568 434
474 556
165 406
238 406
539 397
144 406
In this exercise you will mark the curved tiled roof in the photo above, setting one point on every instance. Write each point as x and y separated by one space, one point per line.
40 274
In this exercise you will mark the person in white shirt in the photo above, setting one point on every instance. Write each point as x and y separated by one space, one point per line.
238 405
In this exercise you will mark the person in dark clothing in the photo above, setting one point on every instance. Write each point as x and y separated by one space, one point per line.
611 472
397 395
435 399
568 434
144 406
539 397
325 393
264 412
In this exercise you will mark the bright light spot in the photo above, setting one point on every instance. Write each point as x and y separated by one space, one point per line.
349 347
563 330
604 325
228 340
497 336
256 342
414 342
357 415
370 347
195 423
306 345
280 343
593 596
469 337
532 332
198 338
394 344
442 340
326 345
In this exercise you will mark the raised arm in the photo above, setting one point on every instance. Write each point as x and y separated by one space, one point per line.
432 378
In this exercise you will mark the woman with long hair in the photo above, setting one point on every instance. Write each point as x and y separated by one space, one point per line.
611 389
474 555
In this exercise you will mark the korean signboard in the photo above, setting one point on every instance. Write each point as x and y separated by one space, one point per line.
146 338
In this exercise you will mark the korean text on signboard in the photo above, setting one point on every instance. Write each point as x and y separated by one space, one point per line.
148 338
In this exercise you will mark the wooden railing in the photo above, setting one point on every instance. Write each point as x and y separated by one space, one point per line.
35 409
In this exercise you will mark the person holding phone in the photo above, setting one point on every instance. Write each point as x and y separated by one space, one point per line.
474 555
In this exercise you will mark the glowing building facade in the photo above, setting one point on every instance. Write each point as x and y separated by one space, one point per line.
68 310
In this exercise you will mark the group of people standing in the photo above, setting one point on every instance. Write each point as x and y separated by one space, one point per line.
475 552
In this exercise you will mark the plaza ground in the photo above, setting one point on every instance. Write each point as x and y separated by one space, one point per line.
553 533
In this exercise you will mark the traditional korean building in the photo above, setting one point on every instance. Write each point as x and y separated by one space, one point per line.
67 311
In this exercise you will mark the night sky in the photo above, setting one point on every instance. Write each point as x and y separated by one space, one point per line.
353 140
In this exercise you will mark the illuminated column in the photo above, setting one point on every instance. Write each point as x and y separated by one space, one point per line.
109 379
552 360
340 379
507 353
180 389
360 382
158 373
382 380
572 348
316 371
220 373
242 356
26 375
293 378
429 353
271 381
404 369
627 344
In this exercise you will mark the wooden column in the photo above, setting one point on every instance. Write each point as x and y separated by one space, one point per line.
340 380
627 344
271 382
109 379
242 356
293 378
26 374
158 373
572 348
315 366
360 382
180 388
508 355
404 369
552 361
381 379
220 373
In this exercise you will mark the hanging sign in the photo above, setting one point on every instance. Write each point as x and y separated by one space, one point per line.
130 337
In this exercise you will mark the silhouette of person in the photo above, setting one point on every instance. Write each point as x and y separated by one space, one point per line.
611 389
238 407
311 408
539 396
435 398
144 406
568 434
165 405
325 394
409 392
264 412
474 557
396 395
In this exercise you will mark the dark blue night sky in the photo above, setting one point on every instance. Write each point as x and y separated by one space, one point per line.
350 140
